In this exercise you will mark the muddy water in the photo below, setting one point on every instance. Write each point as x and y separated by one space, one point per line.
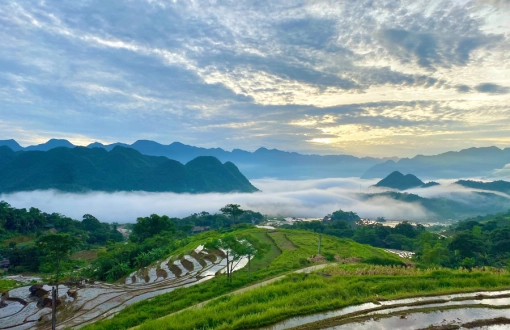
394 306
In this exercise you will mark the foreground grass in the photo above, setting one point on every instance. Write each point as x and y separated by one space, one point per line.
289 251
300 294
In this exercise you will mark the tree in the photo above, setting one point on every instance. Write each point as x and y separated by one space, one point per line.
467 245
406 229
150 226
234 250
57 248
252 247
233 211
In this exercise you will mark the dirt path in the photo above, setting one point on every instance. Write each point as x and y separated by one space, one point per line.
248 288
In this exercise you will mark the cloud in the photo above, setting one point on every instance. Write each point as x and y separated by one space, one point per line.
490 88
463 89
502 173
176 70
306 198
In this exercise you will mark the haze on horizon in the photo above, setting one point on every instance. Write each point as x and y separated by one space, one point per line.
377 78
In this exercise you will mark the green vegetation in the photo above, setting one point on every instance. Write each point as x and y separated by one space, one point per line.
299 294
6 285
289 251
471 255
21 230
480 241
122 169
57 249
272 252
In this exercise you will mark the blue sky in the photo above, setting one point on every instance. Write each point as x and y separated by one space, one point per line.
379 78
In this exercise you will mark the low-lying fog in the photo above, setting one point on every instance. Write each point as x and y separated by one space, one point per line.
306 198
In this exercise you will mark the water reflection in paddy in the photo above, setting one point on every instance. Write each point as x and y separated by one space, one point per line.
423 320
301 320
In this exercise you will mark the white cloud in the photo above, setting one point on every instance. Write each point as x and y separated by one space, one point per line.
306 198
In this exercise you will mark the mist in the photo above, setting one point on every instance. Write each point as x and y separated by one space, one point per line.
304 198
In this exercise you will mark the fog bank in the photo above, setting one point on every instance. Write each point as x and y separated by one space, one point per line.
305 198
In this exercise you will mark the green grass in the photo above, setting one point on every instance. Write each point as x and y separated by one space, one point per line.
266 259
300 294
299 245
6 285
19 240
280 238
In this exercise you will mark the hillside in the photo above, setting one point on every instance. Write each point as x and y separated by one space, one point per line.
499 186
286 252
397 180
121 169
472 162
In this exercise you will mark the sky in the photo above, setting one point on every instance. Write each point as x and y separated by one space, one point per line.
365 77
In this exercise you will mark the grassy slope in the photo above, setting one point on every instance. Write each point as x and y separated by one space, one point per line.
289 251
299 294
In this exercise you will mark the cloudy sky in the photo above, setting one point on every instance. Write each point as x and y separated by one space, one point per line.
381 78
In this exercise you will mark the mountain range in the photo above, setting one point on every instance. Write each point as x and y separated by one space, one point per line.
258 164
82 169
472 162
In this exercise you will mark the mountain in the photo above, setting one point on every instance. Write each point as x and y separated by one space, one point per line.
258 164
121 169
53 143
499 186
430 184
397 180
12 144
472 162
264 163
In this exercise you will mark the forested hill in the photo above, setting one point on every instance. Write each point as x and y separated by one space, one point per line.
121 169
500 186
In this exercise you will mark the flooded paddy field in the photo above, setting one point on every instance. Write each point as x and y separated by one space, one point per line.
92 302
434 312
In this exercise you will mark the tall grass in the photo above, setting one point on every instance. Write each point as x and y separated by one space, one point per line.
300 294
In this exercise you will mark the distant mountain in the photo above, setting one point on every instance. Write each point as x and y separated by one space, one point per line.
259 164
121 169
397 180
53 143
11 144
472 162
499 186
430 184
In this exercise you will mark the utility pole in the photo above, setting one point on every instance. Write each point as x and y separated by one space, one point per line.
53 308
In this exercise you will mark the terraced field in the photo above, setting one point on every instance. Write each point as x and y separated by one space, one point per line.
101 300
